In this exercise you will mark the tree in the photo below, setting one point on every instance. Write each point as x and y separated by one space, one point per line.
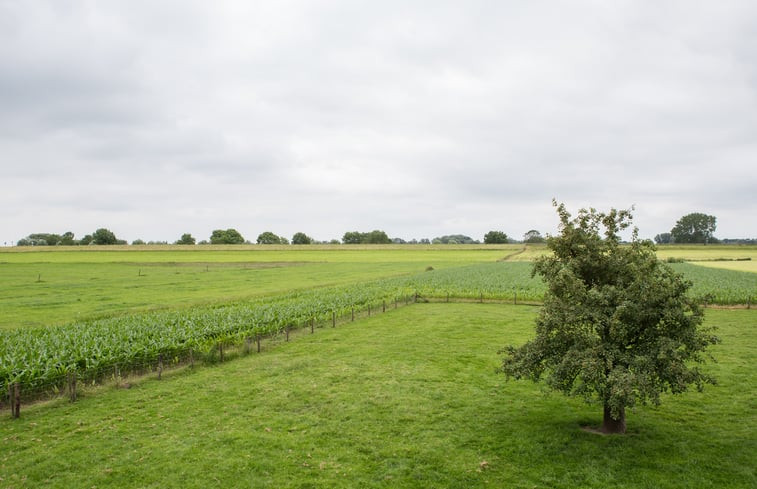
377 237
269 238
617 325
229 236
104 237
352 237
694 228
533 236
374 237
495 237
454 239
186 239
663 238
301 239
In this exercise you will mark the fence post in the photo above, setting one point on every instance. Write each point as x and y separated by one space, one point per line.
191 358
481 297
220 351
333 319
312 321
287 331
448 297
160 365
383 307
72 386
353 313
515 296
16 400
257 339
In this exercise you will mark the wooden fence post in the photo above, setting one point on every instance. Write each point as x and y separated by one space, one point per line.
72 386
312 321
16 400
191 358
220 351
160 366
257 338
383 308
515 296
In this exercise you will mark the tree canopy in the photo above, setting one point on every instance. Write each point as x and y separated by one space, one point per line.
495 237
186 239
228 236
301 239
269 238
617 325
694 228
533 236
374 237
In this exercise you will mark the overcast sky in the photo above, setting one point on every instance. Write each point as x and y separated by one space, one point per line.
157 118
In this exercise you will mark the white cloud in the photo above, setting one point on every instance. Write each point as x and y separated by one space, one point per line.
423 119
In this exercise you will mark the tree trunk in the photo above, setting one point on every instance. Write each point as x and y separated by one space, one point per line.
611 425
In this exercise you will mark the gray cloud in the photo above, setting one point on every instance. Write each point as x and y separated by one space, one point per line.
428 118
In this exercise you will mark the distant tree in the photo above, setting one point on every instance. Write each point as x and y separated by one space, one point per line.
454 239
335 242
86 240
533 236
424 241
377 237
694 228
104 237
186 239
137 242
269 238
353 237
68 239
617 324
228 236
301 239
663 238
495 237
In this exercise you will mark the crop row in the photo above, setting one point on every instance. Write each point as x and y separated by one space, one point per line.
43 358
39 358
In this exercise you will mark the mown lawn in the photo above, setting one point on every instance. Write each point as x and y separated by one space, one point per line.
410 398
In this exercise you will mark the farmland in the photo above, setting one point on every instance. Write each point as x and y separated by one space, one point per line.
105 315
43 359
409 398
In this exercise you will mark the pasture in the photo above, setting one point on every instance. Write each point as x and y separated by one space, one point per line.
409 398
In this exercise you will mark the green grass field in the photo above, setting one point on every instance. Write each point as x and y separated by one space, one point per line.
49 286
57 285
409 398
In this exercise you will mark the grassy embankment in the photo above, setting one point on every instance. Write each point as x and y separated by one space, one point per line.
409 398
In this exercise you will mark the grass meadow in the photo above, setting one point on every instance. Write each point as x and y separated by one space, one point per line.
409 398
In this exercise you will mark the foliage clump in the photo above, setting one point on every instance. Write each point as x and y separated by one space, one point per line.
617 325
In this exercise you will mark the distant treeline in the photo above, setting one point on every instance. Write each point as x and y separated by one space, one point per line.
104 236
